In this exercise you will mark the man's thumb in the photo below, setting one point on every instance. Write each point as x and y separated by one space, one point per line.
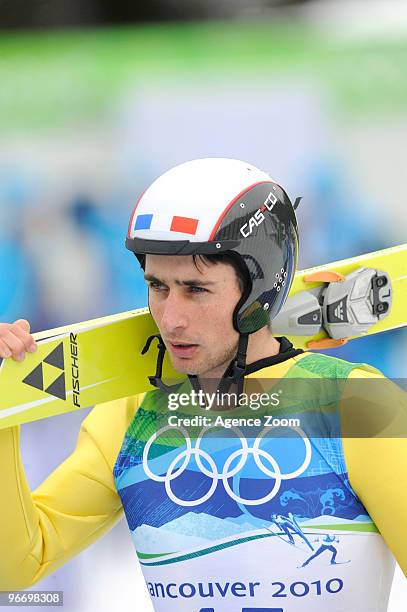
24 324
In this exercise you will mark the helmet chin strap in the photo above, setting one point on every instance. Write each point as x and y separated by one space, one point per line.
234 373
156 380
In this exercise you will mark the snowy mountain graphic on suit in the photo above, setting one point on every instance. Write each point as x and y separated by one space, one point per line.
211 527
191 530
149 540
198 529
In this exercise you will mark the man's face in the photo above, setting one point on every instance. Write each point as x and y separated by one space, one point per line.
193 310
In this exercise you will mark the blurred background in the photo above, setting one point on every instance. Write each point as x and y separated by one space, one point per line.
99 98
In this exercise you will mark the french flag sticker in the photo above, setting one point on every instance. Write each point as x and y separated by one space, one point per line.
182 225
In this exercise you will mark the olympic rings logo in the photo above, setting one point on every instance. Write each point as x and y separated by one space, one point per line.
196 451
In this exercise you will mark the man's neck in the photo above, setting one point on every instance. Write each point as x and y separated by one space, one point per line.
261 345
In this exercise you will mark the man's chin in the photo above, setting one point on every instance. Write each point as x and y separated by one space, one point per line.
184 366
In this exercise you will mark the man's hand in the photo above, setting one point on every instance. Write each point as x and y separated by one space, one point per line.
16 340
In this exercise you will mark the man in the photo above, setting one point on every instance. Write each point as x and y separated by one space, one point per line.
217 239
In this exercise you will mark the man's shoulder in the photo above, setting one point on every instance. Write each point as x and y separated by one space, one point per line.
112 416
117 414
321 365
107 423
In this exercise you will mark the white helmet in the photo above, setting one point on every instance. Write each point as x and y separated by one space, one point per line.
218 205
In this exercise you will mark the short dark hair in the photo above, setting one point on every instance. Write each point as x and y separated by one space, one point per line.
228 259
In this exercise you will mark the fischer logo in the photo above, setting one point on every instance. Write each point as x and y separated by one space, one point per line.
257 219
75 369
49 375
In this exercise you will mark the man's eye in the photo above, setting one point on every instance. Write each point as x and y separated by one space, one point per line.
156 286
195 289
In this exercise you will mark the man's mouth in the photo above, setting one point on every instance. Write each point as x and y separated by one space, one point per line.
183 349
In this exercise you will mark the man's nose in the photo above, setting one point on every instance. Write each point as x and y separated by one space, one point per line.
174 316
